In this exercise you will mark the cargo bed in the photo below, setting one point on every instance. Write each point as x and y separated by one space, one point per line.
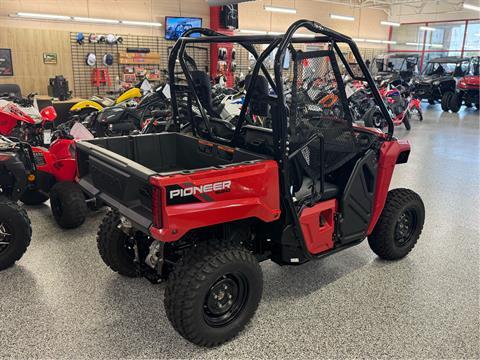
117 170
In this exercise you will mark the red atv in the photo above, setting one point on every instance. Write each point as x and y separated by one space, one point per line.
202 209
20 119
55 178
468 89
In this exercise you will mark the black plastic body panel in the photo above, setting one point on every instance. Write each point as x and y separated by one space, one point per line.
357 201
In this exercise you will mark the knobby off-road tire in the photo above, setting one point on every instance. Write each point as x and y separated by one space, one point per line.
446 101
68 204
406 121
114 246
16 233
213 292
455 102
399 225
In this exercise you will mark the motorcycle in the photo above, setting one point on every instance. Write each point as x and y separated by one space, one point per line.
128 117
86 107
20 119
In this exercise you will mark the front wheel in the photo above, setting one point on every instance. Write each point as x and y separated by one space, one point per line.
446 101
399 225
455 102
15 233
406 121
68 204
213 292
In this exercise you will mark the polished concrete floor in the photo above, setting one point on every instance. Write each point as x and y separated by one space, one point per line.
60 301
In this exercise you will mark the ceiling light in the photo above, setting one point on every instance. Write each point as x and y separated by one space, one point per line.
390 23
43 16
471 7
388 42
95 20
140 23
274 33
427 28
280 9
413 44
342 17
248 31
435 45
303 35
358 40
373 41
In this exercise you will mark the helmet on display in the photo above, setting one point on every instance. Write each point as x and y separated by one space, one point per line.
93 38
80 38
91 59
111 39
108 59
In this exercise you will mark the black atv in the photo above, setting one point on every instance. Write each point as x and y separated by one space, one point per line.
438 80
17 170
395 68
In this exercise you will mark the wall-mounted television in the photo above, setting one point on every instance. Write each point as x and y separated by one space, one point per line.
176 26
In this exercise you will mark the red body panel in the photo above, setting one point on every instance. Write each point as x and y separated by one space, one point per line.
389 152
317 224
252 193
58 160
48 114
469 83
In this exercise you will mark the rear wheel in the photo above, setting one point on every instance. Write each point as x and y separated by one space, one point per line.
116 248
446 101
399 225
455 102
68 204
213 292
33 197
15 233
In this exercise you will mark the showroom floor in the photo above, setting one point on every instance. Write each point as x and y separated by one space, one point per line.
61 301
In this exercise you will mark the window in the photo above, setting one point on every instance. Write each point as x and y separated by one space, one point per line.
450 38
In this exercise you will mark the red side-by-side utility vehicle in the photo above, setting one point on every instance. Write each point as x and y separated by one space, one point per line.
201 209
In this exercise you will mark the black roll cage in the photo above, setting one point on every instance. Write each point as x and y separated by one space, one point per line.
282 42
280 125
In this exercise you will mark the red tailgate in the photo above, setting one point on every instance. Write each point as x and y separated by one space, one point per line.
215 196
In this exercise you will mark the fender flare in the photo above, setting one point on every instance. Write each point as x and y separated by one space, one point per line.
84 104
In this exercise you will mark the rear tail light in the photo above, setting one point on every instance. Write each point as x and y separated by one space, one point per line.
157 206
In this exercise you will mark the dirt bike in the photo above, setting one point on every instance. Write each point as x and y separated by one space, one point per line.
21 119
400 103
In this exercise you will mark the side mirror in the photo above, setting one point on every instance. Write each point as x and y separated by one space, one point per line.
48 113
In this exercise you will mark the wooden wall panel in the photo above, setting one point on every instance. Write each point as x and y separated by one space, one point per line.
28 46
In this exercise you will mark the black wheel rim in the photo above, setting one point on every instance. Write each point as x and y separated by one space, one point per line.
405 227
5 238
225 299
